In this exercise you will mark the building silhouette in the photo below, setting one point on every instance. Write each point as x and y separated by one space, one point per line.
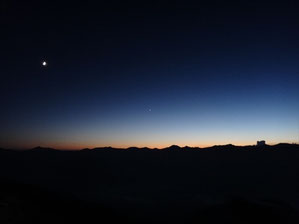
261 143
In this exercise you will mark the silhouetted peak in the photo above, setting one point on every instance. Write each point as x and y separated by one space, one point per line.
189 148
174 147
227 146
43 149
137 148
284 144
103 148
133 148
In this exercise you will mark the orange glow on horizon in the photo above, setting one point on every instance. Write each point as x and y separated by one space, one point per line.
79 146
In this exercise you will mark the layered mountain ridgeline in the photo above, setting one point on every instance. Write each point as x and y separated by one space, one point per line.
172 147
179 185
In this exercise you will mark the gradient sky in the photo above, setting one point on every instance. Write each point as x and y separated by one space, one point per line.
148 74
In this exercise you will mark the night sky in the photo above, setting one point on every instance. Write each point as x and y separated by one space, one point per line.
148 73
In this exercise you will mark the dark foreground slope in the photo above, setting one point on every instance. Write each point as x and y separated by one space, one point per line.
224 184
23 203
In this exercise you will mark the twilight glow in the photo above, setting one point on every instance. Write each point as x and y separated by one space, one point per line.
152 81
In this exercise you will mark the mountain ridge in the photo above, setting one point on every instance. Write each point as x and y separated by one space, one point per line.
171 147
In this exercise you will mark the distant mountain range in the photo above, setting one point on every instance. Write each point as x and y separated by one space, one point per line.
218 184
172 147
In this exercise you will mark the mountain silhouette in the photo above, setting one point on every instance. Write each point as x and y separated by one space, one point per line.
42 149
219 184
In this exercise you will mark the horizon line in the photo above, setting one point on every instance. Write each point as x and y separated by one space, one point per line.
138 147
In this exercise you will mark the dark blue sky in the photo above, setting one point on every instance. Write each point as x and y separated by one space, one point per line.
148 74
